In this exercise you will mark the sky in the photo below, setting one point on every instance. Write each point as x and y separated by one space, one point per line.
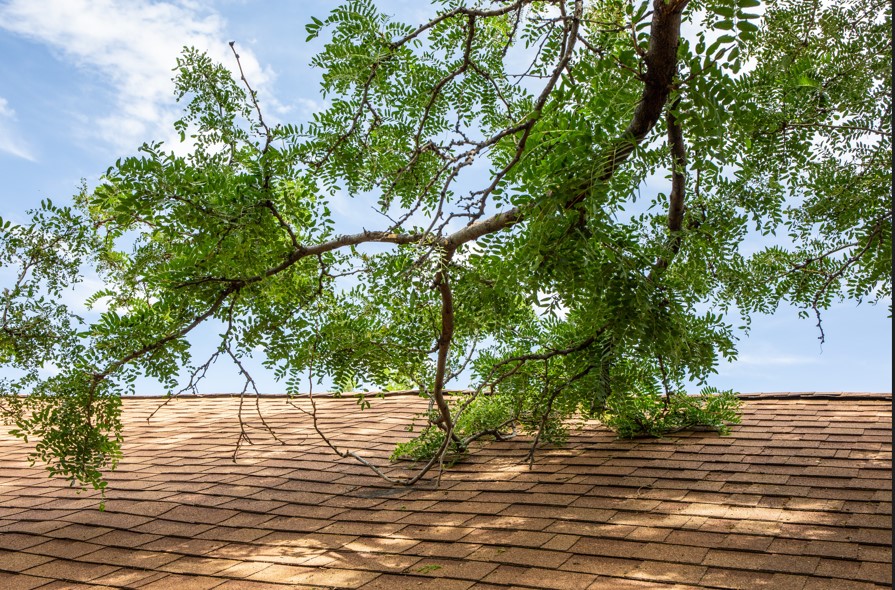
84 82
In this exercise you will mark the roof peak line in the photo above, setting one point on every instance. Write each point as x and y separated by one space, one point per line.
827 395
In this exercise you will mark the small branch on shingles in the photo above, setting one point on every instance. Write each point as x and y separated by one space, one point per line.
530 457
348 453
497 433
249 382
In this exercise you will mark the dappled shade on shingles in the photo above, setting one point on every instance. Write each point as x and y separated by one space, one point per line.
799 496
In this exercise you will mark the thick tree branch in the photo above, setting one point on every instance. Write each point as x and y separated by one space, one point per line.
661 67
678 178
678 188
442 283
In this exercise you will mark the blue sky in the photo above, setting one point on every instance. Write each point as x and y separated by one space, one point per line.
84 82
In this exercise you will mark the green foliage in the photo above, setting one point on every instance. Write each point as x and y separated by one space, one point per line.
557 282
75 437
485 414
490 413
421 448
653 414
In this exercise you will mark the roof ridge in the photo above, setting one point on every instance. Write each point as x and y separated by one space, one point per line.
415 392
817 395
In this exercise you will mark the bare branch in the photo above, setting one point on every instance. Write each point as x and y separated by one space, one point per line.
249 382
254 96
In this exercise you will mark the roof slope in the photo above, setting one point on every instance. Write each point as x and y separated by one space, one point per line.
797 498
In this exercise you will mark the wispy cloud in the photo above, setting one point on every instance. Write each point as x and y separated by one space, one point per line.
133 46
11 141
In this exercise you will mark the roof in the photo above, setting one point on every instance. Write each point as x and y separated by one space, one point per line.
797 497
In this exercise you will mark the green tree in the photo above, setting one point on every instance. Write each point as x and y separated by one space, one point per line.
557 283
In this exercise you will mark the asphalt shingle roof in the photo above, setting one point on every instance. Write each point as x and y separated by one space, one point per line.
797 498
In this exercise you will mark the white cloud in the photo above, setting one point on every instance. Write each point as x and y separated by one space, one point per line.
132 45
308 107
5 110
10 141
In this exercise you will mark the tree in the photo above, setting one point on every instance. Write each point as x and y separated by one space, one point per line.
560 286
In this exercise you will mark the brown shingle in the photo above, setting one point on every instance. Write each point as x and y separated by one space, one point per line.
406 582
11 581
19 561
540 578
77 571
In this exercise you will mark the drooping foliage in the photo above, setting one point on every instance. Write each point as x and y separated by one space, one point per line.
508 149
